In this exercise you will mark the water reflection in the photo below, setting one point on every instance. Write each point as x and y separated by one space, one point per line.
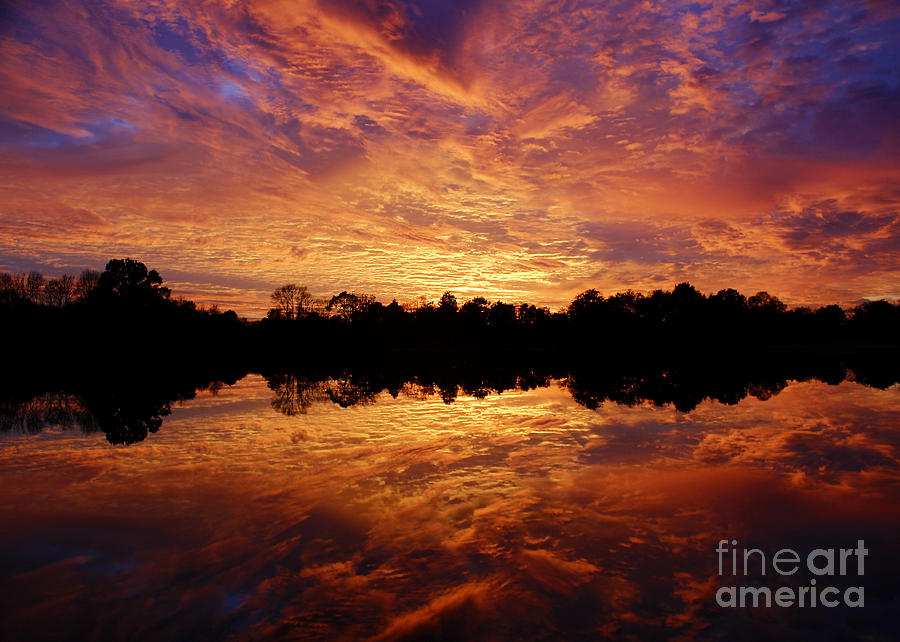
124 406
129 408
529 514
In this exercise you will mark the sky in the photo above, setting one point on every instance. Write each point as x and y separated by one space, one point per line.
524 151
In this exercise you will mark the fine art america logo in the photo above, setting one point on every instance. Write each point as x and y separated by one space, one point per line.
822 564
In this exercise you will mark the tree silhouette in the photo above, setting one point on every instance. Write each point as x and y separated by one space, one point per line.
729 298
291 300
129 282
127 311
12 288
448 303
34 287
61 291
86 283
293 394
765 301
346 304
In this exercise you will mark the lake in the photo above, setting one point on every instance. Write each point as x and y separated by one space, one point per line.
268 510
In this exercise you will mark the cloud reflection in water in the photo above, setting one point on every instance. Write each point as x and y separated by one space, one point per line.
521 514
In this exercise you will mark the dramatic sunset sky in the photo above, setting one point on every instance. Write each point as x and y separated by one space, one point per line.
519 150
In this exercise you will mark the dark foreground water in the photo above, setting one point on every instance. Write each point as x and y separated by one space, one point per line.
521 515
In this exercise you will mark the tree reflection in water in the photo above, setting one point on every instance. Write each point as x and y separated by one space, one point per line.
127 408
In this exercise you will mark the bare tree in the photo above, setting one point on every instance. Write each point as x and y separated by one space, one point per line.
319 305
85 283
52 295
415 303
292 300
67 288
8 290
61 291
34 287
294 395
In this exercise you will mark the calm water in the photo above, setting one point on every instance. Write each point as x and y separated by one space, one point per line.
520 514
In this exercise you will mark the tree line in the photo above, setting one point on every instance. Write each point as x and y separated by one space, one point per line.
682 317
128 302
33 287
125 346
